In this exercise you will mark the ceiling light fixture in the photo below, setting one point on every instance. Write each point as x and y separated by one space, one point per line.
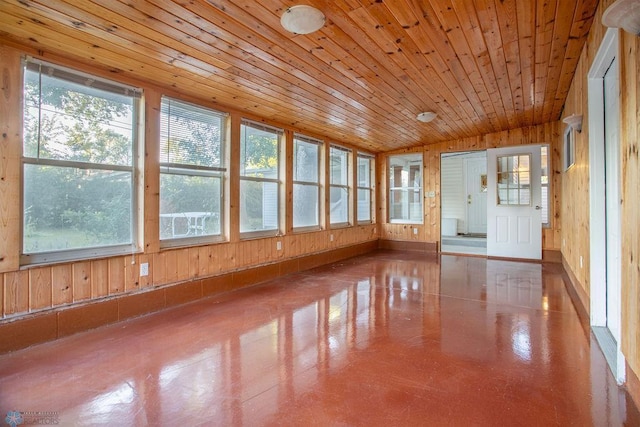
426 116
623 14
302 19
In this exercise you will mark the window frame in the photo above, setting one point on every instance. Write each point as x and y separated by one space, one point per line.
221 172
568 148
370 188
348 186
405 189
278 231
67 74
546 185
318 184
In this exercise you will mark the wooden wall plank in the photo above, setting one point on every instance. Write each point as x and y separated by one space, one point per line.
62 284
116 275
145 281
630 192
40 288
81 281
151 176
16 292
194 262
10 154
99 278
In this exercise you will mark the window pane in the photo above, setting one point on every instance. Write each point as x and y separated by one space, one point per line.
305 205
544 179
339 167
71 118
364 205
65 120
405 189
339 201
258 152
305 161
190 135
70 208
258 206
189 205
364 172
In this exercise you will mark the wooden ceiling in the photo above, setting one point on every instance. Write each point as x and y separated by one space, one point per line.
482 65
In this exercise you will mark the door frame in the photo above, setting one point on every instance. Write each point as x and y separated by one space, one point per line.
609 49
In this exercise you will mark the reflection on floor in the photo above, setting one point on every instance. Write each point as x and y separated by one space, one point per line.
464 244
392 338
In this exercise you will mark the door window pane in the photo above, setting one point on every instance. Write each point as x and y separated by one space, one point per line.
514 184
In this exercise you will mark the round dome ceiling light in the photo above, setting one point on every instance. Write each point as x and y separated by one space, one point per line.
302 19
426 116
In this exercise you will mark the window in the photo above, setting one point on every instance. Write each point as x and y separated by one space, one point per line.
514 180
79 156
365 188
259 179
544 181
306 182
192 170
339 186
569 148
405 188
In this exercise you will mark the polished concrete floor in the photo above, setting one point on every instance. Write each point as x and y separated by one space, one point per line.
388 339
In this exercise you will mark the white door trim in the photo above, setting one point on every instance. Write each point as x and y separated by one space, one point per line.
597 211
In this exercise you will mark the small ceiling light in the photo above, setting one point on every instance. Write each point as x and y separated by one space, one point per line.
623 14
426 116
574 121
302 19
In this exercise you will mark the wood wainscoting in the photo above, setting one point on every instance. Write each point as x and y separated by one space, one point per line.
48 325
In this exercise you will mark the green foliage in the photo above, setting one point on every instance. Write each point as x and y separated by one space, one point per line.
63 122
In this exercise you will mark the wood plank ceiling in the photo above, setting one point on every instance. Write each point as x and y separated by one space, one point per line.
482 65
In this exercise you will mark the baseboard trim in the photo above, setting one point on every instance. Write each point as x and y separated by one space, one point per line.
632 384
48 325
552 256
577 293
408 245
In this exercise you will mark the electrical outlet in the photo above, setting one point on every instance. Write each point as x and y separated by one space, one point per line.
278 245
331 237
415 230
144 269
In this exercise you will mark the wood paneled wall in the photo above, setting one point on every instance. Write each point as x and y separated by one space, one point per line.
575 209
33 289
429 231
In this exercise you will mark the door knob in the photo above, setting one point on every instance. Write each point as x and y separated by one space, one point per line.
538 208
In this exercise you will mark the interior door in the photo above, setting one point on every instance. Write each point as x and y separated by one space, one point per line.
476 186
514 208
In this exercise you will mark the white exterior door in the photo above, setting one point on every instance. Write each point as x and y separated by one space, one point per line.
514 208
476 200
